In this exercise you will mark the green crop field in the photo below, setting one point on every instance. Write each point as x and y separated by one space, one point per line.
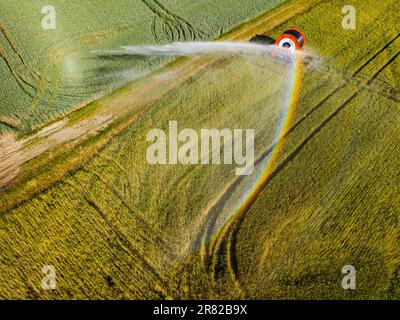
115 227
47 73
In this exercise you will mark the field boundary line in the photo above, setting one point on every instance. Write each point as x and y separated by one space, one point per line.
383 68
375 55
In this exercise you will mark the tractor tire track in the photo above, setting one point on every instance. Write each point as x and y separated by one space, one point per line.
193 33
384 67
145 226
364 65
12 44
16 76
8 126
17 53
147 269
174 27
